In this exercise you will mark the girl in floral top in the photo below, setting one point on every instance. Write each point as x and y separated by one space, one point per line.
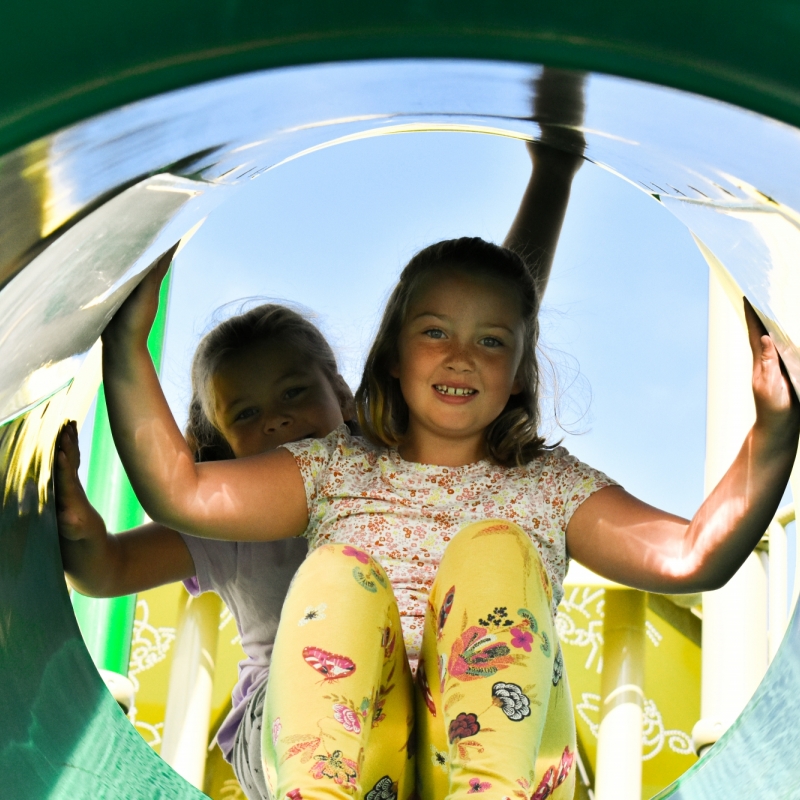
444 533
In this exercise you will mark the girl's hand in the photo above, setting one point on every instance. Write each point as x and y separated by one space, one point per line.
99 565
558 106
777 408
131 324
77 517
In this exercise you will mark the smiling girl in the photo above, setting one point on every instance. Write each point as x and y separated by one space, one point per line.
440 540
260 379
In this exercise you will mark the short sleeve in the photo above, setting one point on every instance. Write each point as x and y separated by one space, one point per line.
314 458
214 562
575 481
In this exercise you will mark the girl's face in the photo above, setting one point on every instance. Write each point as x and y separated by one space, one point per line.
271 394
459 351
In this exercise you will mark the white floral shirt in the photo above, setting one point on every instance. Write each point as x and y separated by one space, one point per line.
404 513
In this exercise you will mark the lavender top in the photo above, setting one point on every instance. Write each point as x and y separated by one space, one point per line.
252 578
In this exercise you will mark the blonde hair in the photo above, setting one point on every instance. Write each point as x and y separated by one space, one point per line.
513 438
263 324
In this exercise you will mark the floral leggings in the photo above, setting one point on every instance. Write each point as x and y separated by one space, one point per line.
490 712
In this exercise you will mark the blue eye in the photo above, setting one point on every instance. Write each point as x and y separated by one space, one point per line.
295 391
435 333
245 413
491 341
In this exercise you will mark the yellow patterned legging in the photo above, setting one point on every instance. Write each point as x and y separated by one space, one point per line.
490 712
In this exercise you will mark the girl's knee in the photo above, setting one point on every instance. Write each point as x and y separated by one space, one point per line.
331 556
495 546
492 538
341 564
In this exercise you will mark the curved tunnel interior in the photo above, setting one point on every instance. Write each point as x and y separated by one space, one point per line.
88 210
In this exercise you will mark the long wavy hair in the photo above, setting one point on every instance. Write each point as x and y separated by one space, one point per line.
513 438
263 324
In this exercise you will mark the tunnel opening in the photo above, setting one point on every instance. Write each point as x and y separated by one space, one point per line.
173 165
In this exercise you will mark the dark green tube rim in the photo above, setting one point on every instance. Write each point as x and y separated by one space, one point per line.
63 62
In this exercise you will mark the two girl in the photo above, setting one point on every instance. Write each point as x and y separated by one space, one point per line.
440 539
260 380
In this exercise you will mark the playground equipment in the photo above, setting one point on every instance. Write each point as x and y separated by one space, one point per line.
85 209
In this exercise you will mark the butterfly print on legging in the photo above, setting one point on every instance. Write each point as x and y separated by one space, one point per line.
332 667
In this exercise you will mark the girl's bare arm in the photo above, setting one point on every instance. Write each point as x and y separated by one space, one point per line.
99 565
633 543
126 563
558 106
256 498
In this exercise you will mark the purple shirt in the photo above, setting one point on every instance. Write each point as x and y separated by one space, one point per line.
252 578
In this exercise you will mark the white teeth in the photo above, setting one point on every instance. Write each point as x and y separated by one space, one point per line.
452 391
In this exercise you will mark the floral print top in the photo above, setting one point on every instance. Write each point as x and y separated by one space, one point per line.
404 513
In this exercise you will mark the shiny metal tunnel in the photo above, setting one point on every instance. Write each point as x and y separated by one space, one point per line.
86 209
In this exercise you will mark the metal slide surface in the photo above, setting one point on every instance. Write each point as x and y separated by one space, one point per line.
151 172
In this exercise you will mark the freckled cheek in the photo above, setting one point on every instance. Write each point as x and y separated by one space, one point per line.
501 380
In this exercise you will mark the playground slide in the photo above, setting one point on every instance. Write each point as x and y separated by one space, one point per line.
151 172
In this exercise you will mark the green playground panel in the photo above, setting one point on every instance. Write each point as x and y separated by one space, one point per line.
64 62
62 735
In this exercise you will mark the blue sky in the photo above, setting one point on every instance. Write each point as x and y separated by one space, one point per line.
624 316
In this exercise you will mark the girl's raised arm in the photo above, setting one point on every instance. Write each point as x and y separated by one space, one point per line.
261 497
633 543
558 107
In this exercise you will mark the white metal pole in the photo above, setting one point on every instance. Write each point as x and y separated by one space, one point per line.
794 482
735 649
619 740
778 587
188 715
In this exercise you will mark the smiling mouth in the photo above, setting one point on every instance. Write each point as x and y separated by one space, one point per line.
453 391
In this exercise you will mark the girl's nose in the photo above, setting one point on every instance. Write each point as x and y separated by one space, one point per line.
460 360
274 424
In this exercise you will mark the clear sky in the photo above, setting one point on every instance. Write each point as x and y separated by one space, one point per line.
624 316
